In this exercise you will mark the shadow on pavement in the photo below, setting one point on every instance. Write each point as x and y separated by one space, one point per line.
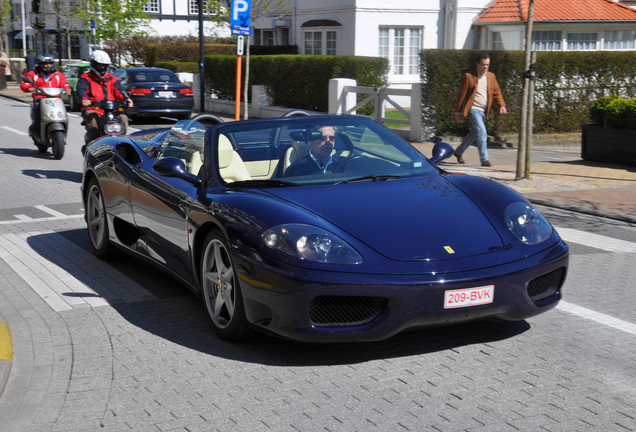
180 318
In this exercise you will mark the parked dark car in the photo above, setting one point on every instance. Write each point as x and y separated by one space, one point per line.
156 92
72 72
380 241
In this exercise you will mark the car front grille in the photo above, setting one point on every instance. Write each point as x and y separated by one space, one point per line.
546 285
337 311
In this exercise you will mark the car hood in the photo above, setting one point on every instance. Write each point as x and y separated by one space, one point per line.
409 219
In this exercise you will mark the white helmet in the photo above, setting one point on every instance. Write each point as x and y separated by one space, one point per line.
99 62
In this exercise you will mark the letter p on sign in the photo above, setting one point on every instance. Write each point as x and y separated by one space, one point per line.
240 12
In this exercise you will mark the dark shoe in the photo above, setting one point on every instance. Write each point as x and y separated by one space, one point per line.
460 159
486 163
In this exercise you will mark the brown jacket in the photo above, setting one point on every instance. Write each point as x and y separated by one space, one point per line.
468 90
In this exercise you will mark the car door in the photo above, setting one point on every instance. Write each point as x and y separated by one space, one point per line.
161 205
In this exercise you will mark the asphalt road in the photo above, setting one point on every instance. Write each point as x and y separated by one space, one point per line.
145 358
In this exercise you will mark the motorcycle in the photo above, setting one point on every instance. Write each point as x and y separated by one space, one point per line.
53 122
110 123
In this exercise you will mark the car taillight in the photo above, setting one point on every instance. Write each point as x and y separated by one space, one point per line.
139 91
186 91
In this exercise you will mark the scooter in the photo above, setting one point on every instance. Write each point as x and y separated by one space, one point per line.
53 122
110 123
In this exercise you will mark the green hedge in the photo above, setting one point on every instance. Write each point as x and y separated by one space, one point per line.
566 86
175 66
294 81
614 112
182 52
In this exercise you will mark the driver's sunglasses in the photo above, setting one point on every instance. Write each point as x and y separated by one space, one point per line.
328 138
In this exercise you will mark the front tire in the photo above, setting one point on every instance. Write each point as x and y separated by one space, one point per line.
221 290
96 221
57 137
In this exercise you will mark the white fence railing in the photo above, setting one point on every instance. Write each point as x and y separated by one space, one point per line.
343 100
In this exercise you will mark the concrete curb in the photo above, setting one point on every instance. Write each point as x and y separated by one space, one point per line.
581 209
6 354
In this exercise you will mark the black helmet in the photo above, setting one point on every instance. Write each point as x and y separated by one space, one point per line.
45 63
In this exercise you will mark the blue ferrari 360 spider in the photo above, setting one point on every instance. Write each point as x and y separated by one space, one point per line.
320 228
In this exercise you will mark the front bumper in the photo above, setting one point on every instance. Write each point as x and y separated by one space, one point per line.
323 306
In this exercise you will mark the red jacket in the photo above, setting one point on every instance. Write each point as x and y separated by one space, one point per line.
95 88
56 79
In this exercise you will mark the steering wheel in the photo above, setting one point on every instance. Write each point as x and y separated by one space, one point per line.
351 162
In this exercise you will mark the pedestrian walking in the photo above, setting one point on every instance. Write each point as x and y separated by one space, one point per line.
477 91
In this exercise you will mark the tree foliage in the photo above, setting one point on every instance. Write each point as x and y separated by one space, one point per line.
113 18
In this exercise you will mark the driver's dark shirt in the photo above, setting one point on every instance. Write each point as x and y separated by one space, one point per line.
307 166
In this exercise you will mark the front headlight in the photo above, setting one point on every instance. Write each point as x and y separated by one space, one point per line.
527 223
113 128
311 243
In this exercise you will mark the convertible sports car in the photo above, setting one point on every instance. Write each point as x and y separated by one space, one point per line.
380 241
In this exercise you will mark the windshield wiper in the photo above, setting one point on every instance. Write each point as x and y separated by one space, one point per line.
370 178
263 183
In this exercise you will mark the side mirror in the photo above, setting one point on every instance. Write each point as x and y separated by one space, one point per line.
441 150
174 167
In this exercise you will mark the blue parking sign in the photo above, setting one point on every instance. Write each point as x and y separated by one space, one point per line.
240 13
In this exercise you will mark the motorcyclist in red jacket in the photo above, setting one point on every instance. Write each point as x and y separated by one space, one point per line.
98 85
44 75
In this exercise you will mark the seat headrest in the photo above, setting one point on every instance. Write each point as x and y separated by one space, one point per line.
226 152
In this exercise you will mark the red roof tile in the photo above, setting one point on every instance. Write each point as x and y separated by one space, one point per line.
560 10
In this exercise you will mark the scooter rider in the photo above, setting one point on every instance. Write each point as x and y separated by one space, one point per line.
99 85
44 75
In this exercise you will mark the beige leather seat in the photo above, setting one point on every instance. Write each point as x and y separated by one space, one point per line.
231 166
195 162
297 150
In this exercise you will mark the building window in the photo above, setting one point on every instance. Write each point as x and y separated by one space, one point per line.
546 41
268 38
402 47
508 40
313 42
415 45
582 41
331 43
194 7
152 6
619 40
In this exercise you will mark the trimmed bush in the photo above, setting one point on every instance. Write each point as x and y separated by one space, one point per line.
295 81
567 83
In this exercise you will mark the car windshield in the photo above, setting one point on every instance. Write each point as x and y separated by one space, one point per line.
312 150
149 75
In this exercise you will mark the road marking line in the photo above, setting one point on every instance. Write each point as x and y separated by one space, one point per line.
598 317
63 274
50 211
19 132
23 219
595 240
6 347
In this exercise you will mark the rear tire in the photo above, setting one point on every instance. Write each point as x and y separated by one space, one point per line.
97 222
221 290
57 137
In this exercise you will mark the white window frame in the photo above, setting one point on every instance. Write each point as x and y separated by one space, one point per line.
547 40
194 7
327 45
152 6
401 45
617 40
582 41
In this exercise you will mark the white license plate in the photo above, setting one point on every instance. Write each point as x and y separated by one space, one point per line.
469 297
165 94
